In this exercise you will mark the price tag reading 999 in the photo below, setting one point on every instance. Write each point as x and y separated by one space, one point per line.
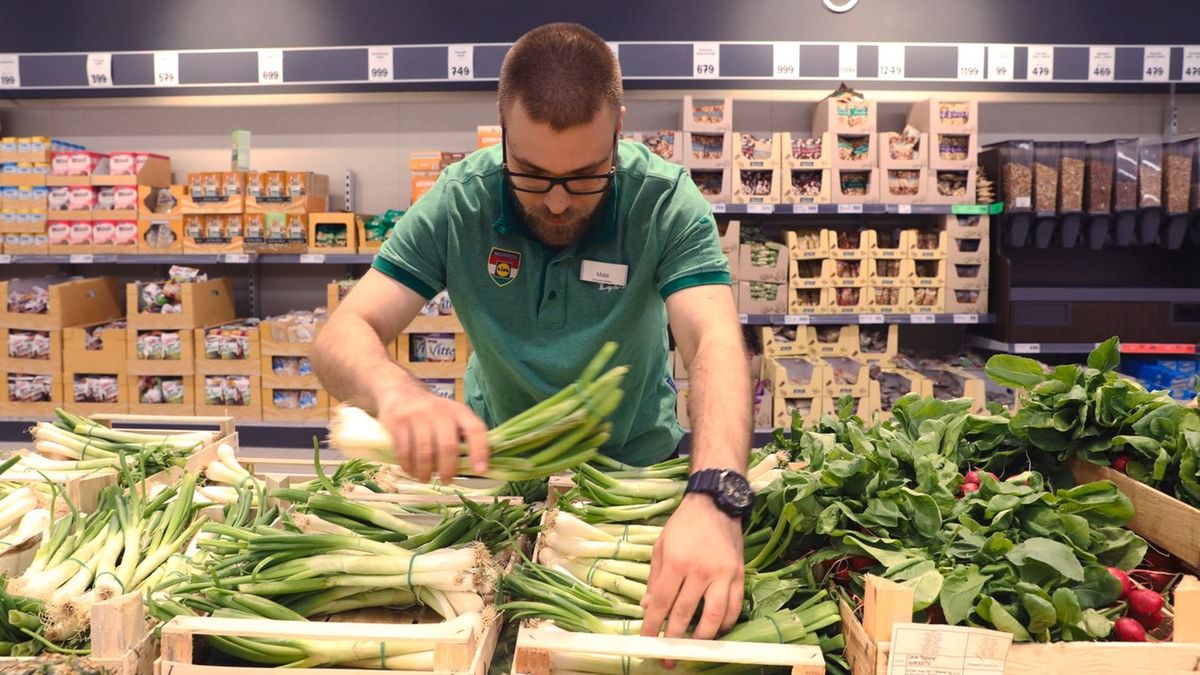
706 60
787 60
379 64
461 62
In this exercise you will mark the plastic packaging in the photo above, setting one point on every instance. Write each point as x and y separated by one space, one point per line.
1150 178
1071 175
1045 176
1101 169
1125 193
1177 174
1016 173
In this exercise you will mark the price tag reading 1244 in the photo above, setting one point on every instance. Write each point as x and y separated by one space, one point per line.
270 66
706 60
461 62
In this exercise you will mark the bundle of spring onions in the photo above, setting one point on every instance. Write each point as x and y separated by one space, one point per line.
649 494
85 558
24 508
226 477
559 433
74 447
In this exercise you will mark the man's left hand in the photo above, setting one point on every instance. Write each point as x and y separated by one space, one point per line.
698 556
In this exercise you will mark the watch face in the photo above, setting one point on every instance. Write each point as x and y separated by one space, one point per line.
736 491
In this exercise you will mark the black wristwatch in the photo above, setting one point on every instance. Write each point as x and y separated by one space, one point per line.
730 491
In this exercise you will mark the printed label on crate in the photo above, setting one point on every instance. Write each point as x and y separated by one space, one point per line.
442 388
918 649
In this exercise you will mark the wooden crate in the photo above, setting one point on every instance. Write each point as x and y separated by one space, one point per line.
887 603
184 365
250 365
188 407
536 648
83 492
17 557
1157 516
272 413
470 655
220 428
121 405
29 410
251 412
122 643
72 303
51 365
203 303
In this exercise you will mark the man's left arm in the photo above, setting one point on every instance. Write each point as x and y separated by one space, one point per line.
699 555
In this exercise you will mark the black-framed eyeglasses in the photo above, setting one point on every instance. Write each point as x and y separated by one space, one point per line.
575 185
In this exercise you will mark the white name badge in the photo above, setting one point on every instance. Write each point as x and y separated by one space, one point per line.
604 273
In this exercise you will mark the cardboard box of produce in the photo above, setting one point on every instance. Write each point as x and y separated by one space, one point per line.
95 390
877 345
810 301
162 394
758 150
762 297
707 115
34 352
160 352
56 303
703 150
807 244
757 186
714 184
897 151
852 244
794 376
29 395
856 116
801 151
235 394
944 114
807 186
202 303
233 348
763 261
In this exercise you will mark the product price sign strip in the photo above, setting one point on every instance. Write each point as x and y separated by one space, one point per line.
791 62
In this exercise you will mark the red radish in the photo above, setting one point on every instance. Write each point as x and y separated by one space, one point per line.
1151 621
1126 582
1128 630
934 614
1156 580
1145 603
860 562
1155 559
968 488
1120 461
971 476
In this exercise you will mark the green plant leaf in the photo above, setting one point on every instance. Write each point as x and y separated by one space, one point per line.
1014 371
995 613
1099 588
960 590
1042 615
1041 551
1106 356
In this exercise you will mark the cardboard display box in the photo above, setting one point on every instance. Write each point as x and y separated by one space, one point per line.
888 272
162 202
155 236
807 152
855 186
713 184
825 341
183 383
953 151
889 243
784 341
155 170
926 300
763 261
452 354
248 363
75 386
924 272
927 244
807 244
758 150
274 411
795 377
707 150
806 186
949 382
332 233
967 275
864 406
967 301
845 377
888 299
888 158
809 407
119 237
211 233
951 187
809 273
877 344
810 300
51 363
707 116
757 186
762 297
945 115
855 117
249 410
851 244
203 303
855 151
12 403
665 143
184 365
899 382
76 302
903 186
110 357
848 300
968 249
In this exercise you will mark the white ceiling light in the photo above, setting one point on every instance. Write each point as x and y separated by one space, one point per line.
840 6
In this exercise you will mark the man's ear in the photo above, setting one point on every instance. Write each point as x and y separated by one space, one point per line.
499 115
621 119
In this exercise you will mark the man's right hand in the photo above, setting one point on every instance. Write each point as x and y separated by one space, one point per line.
427 429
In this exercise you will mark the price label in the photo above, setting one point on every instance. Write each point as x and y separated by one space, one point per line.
787 60
379 64
1000 62
718 208
166 69
743 318
904 209
1156 64
1023 202
237 258
81 258
966 318
797 320
461 62
1102 64
99 70
10 71
1191 64
270 66
848 62
312 259
922 318
970 62
891 62
5 259
870 319
1040 64
1027 348
850 208
706 60
760 209
805 209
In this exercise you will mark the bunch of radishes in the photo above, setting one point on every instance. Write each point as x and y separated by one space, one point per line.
1145 610
971 482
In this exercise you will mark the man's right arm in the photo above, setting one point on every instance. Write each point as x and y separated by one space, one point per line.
352 362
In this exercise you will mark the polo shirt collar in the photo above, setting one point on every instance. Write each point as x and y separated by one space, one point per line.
604 222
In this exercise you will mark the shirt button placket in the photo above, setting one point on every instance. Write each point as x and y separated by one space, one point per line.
554 302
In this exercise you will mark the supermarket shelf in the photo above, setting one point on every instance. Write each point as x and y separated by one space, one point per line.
855 209
1147 348
204 259
863 319
1074 294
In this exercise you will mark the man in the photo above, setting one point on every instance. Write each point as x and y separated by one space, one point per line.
550 245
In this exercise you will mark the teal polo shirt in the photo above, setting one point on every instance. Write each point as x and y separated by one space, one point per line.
532 321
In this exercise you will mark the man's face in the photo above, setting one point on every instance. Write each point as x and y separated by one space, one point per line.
558 218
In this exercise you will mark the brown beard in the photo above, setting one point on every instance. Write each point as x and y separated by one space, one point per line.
554 235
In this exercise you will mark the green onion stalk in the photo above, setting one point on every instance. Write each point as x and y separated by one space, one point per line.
74 446
557 434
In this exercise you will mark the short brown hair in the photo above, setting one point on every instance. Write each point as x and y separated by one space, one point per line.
562 73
